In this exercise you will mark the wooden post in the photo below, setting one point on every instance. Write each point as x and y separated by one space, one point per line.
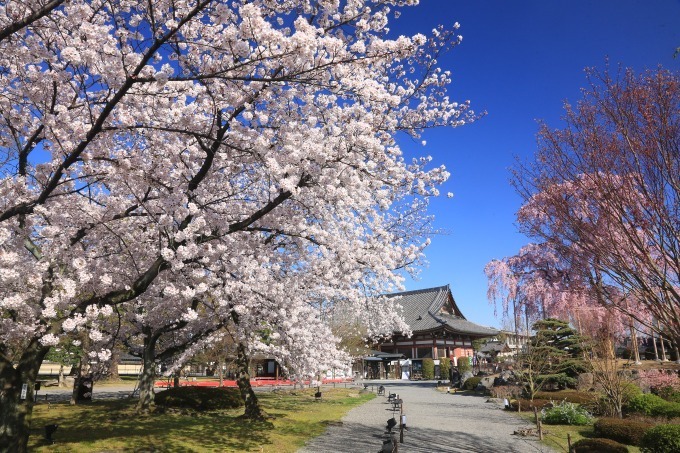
539 425
401 423
536 416
568 443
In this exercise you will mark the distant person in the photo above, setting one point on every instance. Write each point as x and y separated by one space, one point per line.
455 376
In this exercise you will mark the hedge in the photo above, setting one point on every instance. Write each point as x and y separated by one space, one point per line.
622 430
428 369
599 445
661 439
200 398
583 398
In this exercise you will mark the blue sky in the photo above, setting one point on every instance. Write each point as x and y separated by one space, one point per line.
519 61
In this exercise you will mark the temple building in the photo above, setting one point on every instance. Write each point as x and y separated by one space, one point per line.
439 330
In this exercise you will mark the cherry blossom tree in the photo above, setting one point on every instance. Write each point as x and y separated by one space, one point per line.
245 150
160 332
605 190
541 282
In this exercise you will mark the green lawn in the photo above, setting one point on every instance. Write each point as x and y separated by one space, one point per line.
113 426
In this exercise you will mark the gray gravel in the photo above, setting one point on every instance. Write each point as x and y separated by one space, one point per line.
436 421
107 391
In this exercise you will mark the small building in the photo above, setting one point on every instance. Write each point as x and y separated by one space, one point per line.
438 327
504 347
379 365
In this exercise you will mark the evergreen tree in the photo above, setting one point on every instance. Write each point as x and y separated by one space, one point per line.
562 346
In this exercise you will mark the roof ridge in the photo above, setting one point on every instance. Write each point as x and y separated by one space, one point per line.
416 291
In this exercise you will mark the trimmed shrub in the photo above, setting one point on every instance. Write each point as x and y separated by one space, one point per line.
566 413
444 368
645 403
598 445
661 439
200 398
464 364
649 404
428 369
622 430
471 383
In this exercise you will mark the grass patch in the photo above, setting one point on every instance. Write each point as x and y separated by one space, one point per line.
113 425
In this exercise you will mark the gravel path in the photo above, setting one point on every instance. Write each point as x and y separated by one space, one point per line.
106 391
436 421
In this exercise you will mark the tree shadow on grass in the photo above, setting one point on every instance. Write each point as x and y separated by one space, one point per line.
113 425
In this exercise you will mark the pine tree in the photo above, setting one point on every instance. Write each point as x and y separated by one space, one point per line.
563 348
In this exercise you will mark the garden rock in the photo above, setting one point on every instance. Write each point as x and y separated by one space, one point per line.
505 378
465 376
585 382
486 383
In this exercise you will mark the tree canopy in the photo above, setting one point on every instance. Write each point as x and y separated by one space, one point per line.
602 201
192 163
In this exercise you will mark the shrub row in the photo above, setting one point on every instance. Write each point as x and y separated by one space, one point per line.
653 405
584 398
200 398
598 445
622 430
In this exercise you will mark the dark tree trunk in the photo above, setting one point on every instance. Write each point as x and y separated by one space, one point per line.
253 411
15 412
78 373
148 376
61 382
220 372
